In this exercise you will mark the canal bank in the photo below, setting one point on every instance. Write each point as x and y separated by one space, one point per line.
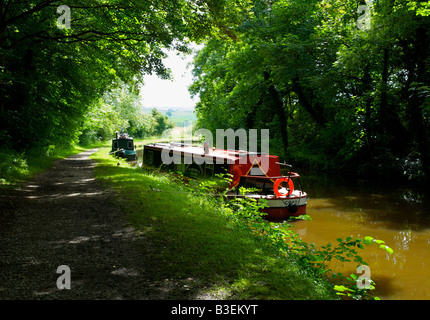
197 247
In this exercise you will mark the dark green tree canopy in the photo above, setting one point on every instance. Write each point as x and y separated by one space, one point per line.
336 93
57 59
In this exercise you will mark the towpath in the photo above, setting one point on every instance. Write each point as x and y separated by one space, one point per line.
64 217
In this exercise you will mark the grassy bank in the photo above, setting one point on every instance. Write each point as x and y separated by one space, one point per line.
187 237
16 168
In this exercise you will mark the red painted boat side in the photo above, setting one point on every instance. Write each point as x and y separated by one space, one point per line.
239 169
283 213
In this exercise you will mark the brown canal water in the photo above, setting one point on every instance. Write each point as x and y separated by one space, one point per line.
400 217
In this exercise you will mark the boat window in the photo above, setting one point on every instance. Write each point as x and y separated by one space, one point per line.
115 144
264 185
130 144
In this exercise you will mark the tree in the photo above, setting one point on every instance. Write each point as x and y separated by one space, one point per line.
118 110
335 95
266 72
162 122
50 76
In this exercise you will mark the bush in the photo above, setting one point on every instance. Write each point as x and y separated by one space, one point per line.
13 166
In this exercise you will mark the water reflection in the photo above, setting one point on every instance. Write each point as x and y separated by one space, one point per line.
400 217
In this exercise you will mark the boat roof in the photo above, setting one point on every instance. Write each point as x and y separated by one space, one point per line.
229 155
123 136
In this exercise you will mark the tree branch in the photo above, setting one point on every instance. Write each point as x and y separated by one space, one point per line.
36 8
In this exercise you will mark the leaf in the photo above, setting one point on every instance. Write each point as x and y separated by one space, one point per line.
379 241
368 240
341 288
386 248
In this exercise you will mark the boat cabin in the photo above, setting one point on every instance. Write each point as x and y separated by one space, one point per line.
123 147
194 161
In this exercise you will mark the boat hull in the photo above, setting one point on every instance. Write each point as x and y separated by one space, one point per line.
280 208
283 213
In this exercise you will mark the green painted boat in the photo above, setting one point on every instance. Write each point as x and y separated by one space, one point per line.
123 147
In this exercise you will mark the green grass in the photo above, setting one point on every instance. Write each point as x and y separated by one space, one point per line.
187 236
17 168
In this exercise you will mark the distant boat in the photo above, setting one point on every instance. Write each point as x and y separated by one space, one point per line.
123 147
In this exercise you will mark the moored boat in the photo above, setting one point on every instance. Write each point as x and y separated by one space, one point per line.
123 147
262 172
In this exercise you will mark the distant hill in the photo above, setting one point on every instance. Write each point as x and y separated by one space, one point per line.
182 117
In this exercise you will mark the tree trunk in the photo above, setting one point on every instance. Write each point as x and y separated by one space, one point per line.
416 66
369 124
279 109
308 101
391 129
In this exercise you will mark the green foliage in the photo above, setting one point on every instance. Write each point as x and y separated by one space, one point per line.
334 96
245 214
422 8
191 233
120 110
312 258
13 166
315 260
59 85
18 167
162 122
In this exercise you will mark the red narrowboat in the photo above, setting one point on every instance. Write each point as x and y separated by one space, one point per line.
283 193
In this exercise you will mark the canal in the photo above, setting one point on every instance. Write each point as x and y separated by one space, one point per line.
340 208
400 217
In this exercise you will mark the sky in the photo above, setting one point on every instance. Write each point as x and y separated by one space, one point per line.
165 94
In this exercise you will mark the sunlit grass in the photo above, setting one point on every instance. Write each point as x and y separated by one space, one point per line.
17 168
187 236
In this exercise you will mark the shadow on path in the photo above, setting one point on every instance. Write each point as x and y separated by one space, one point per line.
65 217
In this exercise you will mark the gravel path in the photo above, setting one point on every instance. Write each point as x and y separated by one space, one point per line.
64 217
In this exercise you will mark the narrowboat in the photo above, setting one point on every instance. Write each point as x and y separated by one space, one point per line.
123 147
283 193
